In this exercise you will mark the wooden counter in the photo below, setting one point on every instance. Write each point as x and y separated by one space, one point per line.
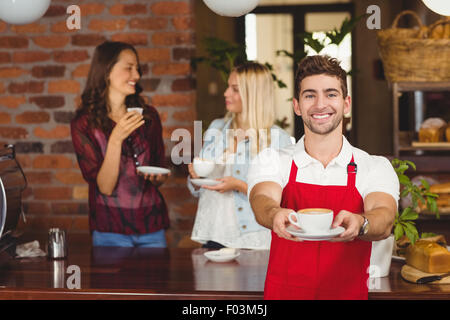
164 274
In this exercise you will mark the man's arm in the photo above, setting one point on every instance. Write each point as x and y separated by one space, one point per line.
265 199
379 209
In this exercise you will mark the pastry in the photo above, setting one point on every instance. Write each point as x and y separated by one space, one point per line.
443 191
438 32
432 130
428 257
403 243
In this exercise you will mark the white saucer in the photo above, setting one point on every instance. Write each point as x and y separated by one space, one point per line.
153 170
218 256
205 182
315 236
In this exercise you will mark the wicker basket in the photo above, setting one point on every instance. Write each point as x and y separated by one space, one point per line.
409 55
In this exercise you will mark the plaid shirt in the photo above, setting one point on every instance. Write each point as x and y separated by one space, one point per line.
135 206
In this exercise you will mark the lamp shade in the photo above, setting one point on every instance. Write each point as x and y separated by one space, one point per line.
22 11
441 7
231 8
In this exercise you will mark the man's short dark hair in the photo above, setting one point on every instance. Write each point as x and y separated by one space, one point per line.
320 64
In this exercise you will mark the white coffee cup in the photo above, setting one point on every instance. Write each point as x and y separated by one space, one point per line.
312 220
139 110
203 167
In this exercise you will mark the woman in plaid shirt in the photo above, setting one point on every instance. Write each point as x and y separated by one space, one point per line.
125 207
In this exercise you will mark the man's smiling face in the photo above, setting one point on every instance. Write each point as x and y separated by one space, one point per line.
321 103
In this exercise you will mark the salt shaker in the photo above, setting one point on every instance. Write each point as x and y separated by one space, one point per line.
57 248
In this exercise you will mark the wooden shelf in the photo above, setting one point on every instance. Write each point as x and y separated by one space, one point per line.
403 140
431 145
443 213
424 148
427 164
422 86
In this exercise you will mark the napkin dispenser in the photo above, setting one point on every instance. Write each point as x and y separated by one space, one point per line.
56 247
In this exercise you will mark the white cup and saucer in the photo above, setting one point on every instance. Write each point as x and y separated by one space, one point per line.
203 168
314 223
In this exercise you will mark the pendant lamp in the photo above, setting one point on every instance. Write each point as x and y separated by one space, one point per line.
441 7
22 11
231 8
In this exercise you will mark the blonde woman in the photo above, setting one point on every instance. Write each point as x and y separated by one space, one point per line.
224 217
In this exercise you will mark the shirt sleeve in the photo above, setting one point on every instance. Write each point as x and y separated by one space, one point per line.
280 138
88 152
265 167
381 178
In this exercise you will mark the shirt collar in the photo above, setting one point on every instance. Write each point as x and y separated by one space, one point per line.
227 124
303 159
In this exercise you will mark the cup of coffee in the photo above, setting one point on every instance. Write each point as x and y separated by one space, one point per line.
138 110
312 220
203 167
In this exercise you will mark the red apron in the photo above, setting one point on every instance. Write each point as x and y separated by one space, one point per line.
319 269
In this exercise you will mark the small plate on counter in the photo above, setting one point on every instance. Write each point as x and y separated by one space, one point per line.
222 255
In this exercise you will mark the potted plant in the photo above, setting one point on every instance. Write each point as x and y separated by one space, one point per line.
223 56
420 195
404 228
332 37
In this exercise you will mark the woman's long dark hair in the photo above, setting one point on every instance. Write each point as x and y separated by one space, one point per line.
94 97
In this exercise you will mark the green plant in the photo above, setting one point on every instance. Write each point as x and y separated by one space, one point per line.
332 37
223 56
282 123
220 55
404 223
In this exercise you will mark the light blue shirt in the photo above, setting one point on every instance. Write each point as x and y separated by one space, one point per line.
214 146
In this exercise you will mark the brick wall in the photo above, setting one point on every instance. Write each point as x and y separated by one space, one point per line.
43 68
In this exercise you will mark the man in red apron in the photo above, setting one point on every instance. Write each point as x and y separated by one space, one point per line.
322 171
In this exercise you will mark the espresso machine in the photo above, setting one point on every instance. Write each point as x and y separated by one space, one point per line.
12 183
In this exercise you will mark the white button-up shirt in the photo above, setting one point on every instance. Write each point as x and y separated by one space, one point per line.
375 173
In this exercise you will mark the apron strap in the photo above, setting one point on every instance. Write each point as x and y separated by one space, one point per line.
293 173
352 168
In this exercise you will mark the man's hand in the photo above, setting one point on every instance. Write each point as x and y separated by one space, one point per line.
280 222
352 224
